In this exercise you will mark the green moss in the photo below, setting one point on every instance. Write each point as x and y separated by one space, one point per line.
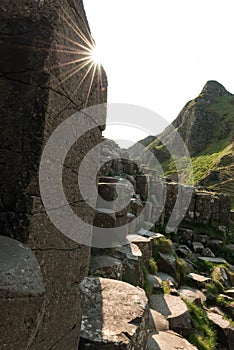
203 335
148 288
208 229
166 287
153 268
161 245
181 270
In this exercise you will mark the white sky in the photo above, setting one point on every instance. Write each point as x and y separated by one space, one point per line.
160 53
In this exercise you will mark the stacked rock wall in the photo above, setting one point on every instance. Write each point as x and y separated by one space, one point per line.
205 207
42 84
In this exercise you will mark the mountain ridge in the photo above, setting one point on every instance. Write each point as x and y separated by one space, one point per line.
206 125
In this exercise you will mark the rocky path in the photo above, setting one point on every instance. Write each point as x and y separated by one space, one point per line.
146 293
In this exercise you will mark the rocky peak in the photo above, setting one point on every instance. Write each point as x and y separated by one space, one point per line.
215 89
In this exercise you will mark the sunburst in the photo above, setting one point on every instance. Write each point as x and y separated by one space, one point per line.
80 52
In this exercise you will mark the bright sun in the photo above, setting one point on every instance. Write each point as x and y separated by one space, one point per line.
96 55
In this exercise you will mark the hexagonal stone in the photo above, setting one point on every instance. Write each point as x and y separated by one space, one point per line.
115 315
175 311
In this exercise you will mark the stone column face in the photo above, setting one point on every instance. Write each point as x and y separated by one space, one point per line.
42 83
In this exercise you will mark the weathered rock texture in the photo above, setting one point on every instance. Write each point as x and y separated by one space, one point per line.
115 316
168 341
175 310
38 40
22 301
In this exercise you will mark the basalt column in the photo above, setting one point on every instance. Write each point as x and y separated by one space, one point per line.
45 78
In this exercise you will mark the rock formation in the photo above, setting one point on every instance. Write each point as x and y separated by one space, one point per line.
43 82
206 125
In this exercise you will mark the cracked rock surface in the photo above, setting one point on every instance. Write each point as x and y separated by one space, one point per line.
115 315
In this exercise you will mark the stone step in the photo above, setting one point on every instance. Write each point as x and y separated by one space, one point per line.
175 311
193 295
115 315
168 341
224 329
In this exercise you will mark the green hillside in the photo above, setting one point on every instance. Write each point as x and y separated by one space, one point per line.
206 124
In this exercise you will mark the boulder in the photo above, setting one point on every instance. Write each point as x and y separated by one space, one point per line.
175 311
199 279
131 256
197 247
208 253
106 266
22 300
183 251
165 277
155 283
193 295
200 238
144 244
213 260
147 233
167 263
185 235
223 277
168 341
115 315
224 329
230 293
213 244
157 322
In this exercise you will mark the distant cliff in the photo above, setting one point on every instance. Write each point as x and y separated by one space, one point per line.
206 124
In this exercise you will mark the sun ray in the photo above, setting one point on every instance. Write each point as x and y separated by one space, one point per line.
79 54
74 42
67 63
76 29
71 73
88 32
91 83
84 77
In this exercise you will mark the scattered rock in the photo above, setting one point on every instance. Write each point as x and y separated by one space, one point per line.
183 251
224 329
207 252
200 238
144 244
230 293
168 341
167 263
157 322
222 275
115 315
199 279
214 243
198 247
155 283
175 310
213 260
185 235
132 264
193 295
106 266
165 277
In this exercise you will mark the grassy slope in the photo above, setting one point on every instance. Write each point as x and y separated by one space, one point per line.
218 155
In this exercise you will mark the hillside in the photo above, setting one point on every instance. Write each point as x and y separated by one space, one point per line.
206 124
